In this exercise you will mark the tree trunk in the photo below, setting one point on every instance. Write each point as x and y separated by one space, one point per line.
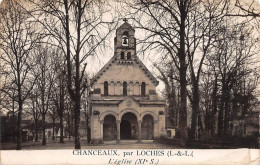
13 124
61 112
77 109
183 108
68 59
19 129
220 115
36 130
195 109
226 118
200 125
88 130
53 128
77 81
61 129
19 119
172 108
183 82
89 135
43 130
69 126
215 105
246 106
207 122
77 122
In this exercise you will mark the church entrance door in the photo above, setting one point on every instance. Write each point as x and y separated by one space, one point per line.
128 126
125 129
147 127
109 128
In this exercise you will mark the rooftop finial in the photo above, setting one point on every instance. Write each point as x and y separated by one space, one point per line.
125 20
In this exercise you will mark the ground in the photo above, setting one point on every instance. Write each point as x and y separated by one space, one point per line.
69 144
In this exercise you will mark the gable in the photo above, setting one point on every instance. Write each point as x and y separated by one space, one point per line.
124 26
129 71
128 102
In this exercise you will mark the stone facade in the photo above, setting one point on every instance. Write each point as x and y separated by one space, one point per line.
124 102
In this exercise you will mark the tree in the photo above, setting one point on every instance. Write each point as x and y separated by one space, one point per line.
34 111
167 74
80 33
44 84
53 114
203 22
157 18
8 100
59 93
232 64
17 39
209 99
246 9
184 32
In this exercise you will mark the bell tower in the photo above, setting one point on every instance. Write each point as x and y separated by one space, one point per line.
125 42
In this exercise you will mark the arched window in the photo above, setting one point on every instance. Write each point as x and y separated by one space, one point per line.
106 88
143 89
129 55
125 39
122 55
124 89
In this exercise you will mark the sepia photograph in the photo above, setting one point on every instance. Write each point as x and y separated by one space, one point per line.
130 81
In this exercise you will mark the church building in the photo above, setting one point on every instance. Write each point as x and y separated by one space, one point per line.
124 103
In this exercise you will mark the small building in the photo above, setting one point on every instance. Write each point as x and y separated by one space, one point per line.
124 103
29 133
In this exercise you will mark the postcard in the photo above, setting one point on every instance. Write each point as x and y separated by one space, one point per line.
130 82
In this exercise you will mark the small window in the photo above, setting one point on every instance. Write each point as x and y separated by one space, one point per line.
124 89
143 89
129 55
122 55
106 88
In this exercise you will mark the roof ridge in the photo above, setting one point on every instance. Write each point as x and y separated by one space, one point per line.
106 66
155 80
102 69
126 23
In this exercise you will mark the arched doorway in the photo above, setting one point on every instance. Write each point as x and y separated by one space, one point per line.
128 126
109 128
125 129
147 127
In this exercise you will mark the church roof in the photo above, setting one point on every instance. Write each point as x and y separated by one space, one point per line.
125 25
113 59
